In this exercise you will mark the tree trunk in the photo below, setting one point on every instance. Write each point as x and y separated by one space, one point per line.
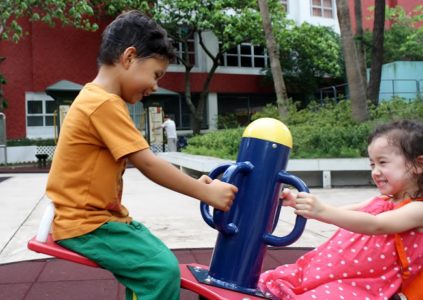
275 64
359 37
356 82
197 119
377 52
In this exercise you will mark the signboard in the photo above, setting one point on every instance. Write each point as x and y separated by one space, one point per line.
155 118
63 110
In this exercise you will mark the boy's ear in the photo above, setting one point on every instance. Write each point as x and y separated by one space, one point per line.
128 56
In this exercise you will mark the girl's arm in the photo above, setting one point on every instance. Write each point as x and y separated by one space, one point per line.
357 206
213 192
289 199
405 218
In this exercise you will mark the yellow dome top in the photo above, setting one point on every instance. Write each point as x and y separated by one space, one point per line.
269 129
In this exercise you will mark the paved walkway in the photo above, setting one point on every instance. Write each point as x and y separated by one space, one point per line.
173 217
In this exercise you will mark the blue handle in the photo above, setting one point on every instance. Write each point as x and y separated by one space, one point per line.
230 172
300 221
204 208
229 177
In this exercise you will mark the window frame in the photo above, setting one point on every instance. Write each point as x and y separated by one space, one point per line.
240 56
322 9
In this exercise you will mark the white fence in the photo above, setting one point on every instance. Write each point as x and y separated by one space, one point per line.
23 154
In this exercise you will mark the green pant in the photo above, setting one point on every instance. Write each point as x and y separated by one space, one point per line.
138 259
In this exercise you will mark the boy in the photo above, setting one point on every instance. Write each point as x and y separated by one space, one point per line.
97 137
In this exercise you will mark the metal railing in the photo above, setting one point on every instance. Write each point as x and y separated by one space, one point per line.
406 88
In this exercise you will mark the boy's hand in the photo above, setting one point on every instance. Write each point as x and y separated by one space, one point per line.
205 179
220 194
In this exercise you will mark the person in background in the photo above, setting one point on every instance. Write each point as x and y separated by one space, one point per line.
171 135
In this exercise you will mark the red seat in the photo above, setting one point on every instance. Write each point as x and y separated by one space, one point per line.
51 248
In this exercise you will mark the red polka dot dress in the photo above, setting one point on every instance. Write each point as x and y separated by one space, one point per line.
348 266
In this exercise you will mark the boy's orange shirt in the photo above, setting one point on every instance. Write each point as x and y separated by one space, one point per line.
85 179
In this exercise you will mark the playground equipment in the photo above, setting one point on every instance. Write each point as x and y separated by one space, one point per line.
244 231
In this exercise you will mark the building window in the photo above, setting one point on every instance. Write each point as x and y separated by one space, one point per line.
322 8
182 48
240 108
39 110
246 55
285 4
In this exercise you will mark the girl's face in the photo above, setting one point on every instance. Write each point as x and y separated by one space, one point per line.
392 174
141 78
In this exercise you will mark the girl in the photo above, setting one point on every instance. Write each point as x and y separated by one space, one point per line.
377 248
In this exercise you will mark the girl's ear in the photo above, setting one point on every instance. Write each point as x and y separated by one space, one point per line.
128 56
419 161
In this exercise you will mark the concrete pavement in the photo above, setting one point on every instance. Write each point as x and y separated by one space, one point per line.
173 217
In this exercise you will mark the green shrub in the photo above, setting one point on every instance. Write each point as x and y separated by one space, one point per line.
319 131
31 142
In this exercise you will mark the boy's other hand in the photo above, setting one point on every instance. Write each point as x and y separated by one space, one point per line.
220 194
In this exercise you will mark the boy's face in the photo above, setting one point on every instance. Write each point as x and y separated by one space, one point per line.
141 78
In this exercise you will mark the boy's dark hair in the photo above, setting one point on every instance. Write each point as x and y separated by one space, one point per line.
134 29
408 137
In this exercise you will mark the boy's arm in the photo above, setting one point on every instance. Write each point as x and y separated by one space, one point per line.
398 220
215 193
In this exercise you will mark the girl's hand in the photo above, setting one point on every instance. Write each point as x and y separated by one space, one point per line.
308 206
288 198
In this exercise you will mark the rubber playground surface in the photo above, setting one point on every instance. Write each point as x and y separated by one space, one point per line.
174 218
51 279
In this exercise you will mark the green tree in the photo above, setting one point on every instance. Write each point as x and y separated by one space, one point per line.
81 14
274 56
309 54
356 82
231 22
404 39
